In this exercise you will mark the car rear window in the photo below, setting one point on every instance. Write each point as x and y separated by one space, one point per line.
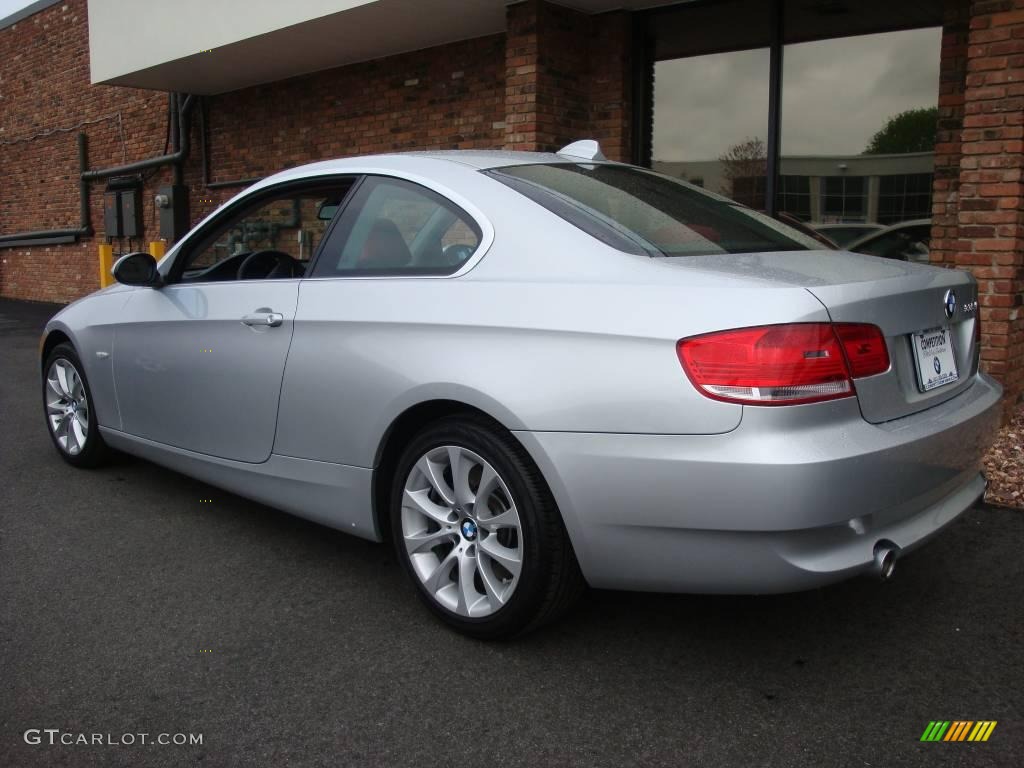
640 211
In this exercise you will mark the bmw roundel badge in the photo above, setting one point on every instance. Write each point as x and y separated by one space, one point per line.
949 303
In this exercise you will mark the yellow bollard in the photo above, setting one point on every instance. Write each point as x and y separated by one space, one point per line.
156 249
106 263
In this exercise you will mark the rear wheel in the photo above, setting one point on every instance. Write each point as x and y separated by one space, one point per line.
478 532
67 402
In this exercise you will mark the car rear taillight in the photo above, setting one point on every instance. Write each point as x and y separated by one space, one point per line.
865 349
783 364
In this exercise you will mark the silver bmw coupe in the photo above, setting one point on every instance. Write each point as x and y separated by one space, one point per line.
534 372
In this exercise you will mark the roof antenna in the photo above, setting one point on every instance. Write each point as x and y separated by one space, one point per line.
588 149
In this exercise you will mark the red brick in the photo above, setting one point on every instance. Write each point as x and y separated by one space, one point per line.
356 109
1009 18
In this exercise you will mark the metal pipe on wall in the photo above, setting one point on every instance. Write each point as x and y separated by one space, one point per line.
174 158
60 236
180 133
203 141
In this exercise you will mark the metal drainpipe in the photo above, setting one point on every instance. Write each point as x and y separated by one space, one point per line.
60 236
173 110
175 158
203 139
176 137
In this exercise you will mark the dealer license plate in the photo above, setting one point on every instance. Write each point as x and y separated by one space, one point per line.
936 363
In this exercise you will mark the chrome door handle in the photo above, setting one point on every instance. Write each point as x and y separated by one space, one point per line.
264 319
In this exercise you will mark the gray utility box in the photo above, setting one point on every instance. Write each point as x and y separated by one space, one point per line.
122 207
172 202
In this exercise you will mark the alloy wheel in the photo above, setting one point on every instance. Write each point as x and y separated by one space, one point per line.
67 406
462 531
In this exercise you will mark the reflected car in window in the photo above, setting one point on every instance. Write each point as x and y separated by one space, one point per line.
530 373
844 234
906 241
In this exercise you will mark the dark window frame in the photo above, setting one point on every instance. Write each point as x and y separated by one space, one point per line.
777 36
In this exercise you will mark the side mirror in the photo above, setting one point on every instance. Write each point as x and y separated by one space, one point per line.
137 268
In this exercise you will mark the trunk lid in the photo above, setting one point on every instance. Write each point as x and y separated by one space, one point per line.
901 298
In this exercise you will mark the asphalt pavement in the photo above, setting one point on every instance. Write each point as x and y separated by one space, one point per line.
134 600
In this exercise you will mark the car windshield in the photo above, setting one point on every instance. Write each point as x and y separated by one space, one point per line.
645 212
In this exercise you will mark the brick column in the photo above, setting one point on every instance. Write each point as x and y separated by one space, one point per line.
611 84
567 78
991 235
978 221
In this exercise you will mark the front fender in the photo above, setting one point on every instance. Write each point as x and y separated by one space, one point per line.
90 325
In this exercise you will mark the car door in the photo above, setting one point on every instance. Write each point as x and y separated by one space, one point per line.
198 362
348 358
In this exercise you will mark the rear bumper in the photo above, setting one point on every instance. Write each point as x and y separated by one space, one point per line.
791 499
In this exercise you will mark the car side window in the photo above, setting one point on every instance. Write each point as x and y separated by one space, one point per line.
273 237
395 227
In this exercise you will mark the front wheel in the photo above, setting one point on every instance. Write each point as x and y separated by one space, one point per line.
477 530
70 417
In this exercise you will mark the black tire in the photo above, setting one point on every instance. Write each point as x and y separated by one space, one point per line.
94 452
550 580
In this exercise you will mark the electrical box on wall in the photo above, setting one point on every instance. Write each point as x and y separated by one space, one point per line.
122 207
131 212
172 202
111 214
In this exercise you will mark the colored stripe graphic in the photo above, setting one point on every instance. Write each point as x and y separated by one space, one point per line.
958 730
935 730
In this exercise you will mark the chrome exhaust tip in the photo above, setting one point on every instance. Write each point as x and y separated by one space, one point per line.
885 559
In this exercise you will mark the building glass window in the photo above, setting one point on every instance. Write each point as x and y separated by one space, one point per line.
903 197
795 196
851 135
728 91
858 117
845 198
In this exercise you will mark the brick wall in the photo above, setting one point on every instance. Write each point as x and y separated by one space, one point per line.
448 97
946 187
44 94
610 58
451 97
567 77
980 192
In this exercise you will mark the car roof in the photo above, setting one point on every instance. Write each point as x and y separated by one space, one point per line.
586 151
491 158
474 159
